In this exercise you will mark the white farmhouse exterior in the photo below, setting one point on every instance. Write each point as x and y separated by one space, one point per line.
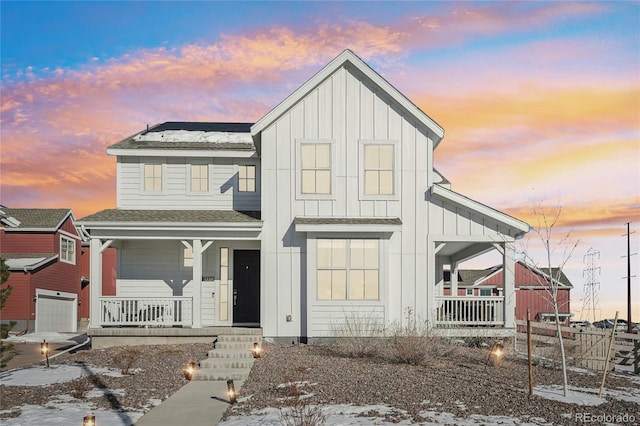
328 207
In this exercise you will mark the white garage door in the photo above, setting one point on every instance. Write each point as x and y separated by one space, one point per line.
56 311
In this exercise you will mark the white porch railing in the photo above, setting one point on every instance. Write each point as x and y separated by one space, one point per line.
470 310
146 311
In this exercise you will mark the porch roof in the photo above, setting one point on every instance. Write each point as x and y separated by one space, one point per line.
182 217
347 224
27 261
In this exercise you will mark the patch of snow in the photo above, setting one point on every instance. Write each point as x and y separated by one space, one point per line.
65 414
41 375
298 384
574 395
441 418
49 336
194 136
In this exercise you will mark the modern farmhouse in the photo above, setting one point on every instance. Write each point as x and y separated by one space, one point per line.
328 207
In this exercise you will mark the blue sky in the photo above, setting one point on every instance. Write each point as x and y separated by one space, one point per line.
539 100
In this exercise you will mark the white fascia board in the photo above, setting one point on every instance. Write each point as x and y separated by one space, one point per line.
328 70
346 228
480 208
222 153
29 263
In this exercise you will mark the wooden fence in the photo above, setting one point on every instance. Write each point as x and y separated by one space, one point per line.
584 347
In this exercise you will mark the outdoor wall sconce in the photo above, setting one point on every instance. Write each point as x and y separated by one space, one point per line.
189 370
44 350
89 420
257 350
231 392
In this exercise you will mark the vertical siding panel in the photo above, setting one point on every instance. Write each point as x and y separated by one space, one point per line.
325 110
339 98
380 117
423 167
352 135
366 111
311 115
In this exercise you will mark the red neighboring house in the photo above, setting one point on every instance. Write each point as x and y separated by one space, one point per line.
532 289
42 248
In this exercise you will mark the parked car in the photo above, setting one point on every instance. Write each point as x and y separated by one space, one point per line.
621 325
580 324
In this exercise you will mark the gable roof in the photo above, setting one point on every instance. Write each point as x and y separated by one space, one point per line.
465 202
493 276
41 220
149 217
28 261
348 57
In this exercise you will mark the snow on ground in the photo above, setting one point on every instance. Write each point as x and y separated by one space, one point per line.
60 411
49 336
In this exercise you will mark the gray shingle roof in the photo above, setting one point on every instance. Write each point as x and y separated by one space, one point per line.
180 216
37 218
347 221
130 143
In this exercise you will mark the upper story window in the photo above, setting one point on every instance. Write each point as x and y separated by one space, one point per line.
315 168
469 292
187 257
153 177
246 178
347 269
378 167
67 250
199 178
485 292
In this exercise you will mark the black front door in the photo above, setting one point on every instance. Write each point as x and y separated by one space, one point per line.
246 287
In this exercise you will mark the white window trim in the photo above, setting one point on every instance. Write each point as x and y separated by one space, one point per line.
197 163
396 169
256 178
383 270
73 241
153 161
298 165
469 292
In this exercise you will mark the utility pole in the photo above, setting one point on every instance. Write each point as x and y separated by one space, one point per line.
628 234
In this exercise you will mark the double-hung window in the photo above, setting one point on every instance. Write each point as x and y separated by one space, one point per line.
153 177
315 168
67 250
199 178
347 269
246 178
378 167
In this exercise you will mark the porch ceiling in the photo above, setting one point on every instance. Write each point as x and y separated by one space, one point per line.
462 250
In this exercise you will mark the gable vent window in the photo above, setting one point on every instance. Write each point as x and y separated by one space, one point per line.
246 178
199 178
315 170
153 177
67 250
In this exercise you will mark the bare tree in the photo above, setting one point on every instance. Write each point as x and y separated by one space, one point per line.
558 246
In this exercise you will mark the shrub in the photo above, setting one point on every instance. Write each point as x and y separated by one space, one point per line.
358 336
126 358
81 386
296 409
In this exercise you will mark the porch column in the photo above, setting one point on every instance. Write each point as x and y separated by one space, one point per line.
197 284
95 282
453 274
508 262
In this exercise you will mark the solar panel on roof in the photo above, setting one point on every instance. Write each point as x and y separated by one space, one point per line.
203 127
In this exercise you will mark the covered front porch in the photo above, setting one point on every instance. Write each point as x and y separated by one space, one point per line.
197 273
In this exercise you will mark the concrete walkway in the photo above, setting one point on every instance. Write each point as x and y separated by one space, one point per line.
196 403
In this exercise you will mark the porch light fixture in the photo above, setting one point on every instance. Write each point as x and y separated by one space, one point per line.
257 350
44 350
496 353
89 420
231 392
189 370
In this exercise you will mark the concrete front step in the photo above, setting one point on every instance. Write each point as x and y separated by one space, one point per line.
226 363
221 374
239 346
232 358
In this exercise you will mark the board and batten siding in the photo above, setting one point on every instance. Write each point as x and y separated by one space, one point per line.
222 195
345 110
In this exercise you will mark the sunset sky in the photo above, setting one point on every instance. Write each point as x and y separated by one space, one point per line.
540 101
